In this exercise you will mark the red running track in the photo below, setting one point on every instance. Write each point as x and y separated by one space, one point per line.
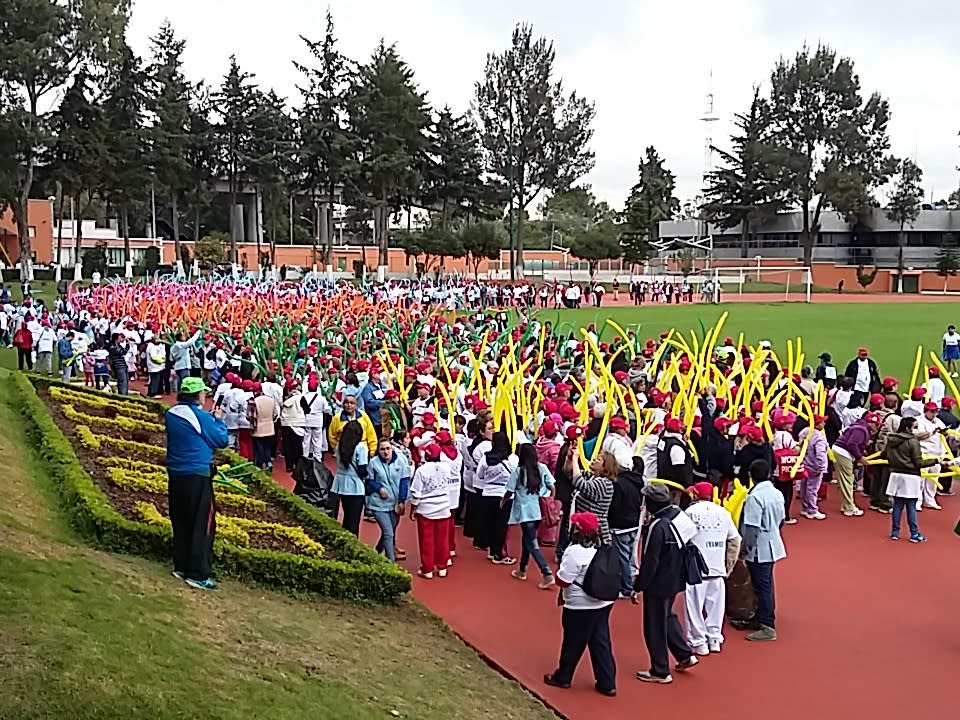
868 628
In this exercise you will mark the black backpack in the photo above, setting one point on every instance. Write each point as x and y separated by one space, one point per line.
602 579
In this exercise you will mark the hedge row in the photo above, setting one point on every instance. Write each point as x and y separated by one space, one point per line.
359 573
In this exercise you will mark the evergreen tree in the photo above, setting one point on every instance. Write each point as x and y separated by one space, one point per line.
201 157
745 189
948 258
326 143
904 206
535 135
125 171
833 145
78 157
598 241
236 103
389 117
453 174
170 139
481 240
43 44
651 200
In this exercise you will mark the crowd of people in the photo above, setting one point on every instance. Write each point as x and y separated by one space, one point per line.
449 443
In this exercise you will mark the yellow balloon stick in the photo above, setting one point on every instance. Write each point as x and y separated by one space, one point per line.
916 371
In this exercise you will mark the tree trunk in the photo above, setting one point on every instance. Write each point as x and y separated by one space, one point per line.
256 225
21 207
806 238
900 239
77 231
518 233
125 229
744 238
175 224
330 224
196 219
233 217
59 258
382 240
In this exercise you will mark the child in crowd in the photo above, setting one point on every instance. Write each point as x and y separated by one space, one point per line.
88 365
101 367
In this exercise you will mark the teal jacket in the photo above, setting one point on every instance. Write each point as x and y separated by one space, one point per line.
392 475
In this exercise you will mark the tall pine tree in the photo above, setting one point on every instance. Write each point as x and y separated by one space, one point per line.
745 189
650 201
389 117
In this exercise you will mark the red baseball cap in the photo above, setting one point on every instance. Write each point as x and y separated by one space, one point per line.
585 522
931 407
754 433
619 423
918 393
863 352
444 438
872 417
890 382
429 418
673 425
549 427
247 385
876 401
934 372
573 432
701 490
948 402
432 452
819 419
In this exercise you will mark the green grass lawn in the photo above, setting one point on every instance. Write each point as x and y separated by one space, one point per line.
92 636
891 331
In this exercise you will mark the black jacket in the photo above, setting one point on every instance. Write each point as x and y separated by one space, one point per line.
747 454
625 507
661 565
851 372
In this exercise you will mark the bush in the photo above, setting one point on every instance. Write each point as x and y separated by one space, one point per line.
358 573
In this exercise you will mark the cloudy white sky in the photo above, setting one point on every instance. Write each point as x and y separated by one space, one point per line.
646 63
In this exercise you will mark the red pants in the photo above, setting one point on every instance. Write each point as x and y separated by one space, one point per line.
245 444
433 538
452 544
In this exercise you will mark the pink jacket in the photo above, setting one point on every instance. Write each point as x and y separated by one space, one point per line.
548 450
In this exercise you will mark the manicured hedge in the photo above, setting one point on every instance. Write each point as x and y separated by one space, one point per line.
359 573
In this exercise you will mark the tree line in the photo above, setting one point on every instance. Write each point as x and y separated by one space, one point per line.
85 120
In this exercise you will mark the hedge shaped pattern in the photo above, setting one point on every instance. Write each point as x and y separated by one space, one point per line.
358 574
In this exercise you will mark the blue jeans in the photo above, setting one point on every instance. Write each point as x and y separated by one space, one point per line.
761 574
531 546
626 543
899 504
123 380
387 520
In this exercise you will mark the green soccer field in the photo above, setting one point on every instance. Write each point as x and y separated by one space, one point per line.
891 331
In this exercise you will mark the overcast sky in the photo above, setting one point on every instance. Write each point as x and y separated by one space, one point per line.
646 64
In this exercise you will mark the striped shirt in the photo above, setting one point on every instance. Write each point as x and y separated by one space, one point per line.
593 493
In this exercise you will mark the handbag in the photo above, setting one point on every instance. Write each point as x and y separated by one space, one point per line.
694 566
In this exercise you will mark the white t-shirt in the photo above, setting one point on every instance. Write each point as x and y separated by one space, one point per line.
935 390
932 445
714 527
949 339
621 447
863 376
573 569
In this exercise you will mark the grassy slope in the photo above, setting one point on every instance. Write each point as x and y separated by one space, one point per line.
892 331
88 635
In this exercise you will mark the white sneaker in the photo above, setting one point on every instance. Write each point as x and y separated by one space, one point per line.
856 512
700 650
814 516
933 506
714 646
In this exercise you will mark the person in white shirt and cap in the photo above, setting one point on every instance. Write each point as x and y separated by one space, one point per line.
719 543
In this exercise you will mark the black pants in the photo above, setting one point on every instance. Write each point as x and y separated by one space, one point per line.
878 477
480 525
662 632
194 524
786 489
292 448
165 382
496 518
352 512
761 575
584 629
24 357
469 513
156 380
263 450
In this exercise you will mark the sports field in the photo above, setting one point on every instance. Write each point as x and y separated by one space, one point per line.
891 331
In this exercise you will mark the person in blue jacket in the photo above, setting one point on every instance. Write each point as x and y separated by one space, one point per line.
388 484
193 434
373 395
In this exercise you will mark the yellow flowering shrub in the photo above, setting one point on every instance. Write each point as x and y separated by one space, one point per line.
75 397
124 423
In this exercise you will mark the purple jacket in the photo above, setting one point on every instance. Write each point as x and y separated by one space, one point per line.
815 459
855 439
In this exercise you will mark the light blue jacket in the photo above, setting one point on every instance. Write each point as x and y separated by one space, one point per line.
193 435
349 480
392 475
763 514
526 507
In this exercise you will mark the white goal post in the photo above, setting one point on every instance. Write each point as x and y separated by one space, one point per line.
796 278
